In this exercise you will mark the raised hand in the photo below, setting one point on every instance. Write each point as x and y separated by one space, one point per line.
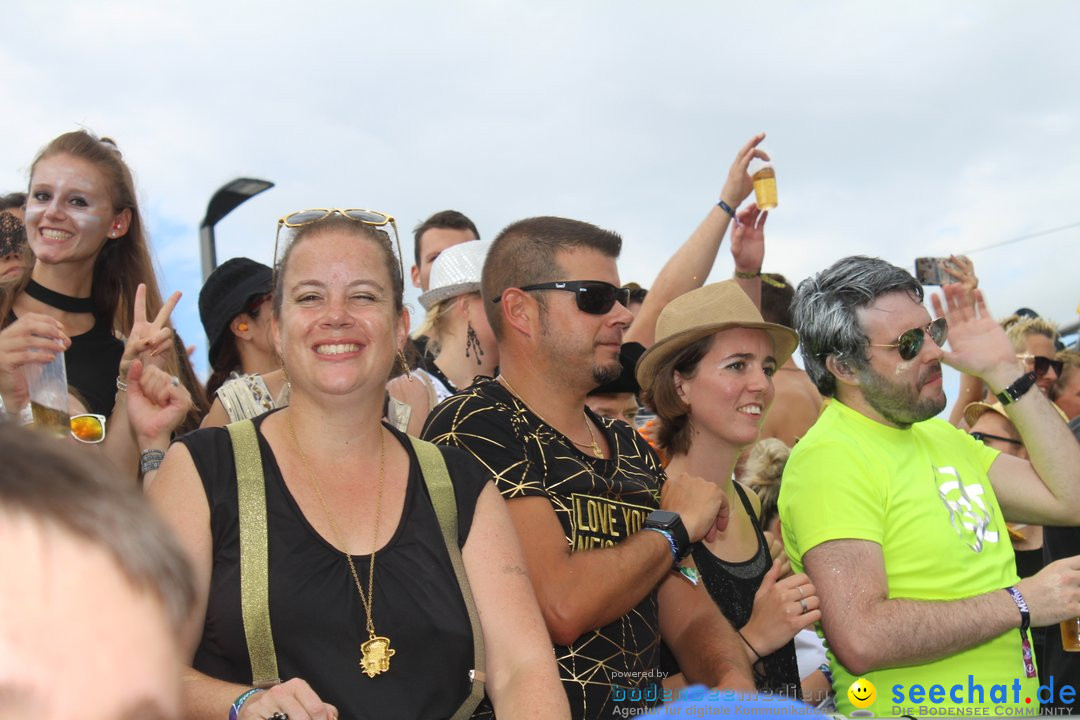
977 344
156 404
962 270
148 341
748 239
782 607
33 338
701 504
738 185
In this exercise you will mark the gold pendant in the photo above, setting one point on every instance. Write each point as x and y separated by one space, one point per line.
377 653
597 451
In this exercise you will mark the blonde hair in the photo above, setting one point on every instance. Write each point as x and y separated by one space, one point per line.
763 471
435 324
1017 329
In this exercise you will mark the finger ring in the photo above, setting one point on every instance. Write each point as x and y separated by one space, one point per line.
802 604
176 383
279 716
801 595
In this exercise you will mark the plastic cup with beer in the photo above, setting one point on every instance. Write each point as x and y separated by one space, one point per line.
47 383
764 177
1070 634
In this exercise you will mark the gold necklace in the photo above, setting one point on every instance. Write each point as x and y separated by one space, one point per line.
376 652
592 444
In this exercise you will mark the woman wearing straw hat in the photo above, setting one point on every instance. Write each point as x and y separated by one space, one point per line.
709 379
459 336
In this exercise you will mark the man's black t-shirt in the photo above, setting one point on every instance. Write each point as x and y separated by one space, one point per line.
599 502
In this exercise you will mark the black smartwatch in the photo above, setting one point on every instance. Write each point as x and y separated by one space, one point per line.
1016 391
670 522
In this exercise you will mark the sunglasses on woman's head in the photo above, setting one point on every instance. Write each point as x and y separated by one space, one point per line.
301 218
594 297
88 428
1042 364
910 342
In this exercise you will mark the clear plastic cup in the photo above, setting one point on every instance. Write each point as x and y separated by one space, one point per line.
764 177
1070 634
49 395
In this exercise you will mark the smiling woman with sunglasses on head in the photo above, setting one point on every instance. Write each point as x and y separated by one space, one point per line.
363 612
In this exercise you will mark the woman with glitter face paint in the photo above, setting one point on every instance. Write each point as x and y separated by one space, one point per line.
92 283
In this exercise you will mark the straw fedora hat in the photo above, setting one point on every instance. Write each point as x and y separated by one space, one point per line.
455 272
705 311
976 410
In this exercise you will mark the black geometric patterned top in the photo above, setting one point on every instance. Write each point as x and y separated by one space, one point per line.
599 502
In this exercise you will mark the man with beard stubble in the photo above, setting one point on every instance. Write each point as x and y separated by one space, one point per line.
899 518
583 491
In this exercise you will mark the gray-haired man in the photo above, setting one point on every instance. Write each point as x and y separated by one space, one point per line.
899 519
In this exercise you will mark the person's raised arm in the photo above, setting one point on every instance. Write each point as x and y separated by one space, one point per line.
961 269
748 250
1046 489
690 265
156 403
522 679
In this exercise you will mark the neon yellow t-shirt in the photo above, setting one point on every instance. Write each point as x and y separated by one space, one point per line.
922 494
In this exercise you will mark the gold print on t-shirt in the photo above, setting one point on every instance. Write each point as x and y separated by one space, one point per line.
602 522
969 516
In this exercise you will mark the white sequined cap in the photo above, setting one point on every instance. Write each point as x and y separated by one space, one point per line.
455 272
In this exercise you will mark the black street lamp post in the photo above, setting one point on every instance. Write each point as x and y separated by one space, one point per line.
225 200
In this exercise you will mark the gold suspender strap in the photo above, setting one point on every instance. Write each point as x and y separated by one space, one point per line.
437 479
254 561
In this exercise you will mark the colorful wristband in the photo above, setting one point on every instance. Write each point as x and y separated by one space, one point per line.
671 541
234 711
1025 623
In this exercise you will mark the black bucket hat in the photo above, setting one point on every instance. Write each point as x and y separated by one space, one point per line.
226 294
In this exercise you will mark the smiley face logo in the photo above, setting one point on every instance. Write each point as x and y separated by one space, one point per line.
862 693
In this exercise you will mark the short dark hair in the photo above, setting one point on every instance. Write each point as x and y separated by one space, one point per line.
57 485
447 219
524 253
776 296
12 201
825 311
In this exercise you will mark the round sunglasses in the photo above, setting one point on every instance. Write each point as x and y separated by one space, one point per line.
910 341
594 297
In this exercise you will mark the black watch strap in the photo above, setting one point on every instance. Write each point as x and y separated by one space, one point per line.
1016 391
672 523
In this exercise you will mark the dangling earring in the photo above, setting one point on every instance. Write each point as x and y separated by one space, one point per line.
404 365
473 342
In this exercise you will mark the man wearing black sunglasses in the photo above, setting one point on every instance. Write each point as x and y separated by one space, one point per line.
586 494
899 518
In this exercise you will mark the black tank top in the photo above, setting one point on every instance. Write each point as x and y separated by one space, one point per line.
316 616
732 587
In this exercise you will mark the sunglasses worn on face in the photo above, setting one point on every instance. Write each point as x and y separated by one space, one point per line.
911 342
88 428
301 218
1043 364
983 437
594 297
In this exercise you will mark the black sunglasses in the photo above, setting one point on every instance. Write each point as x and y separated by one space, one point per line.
983 437
1043 363
595 297
911 342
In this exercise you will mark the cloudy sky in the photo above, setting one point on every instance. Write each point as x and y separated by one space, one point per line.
897 129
